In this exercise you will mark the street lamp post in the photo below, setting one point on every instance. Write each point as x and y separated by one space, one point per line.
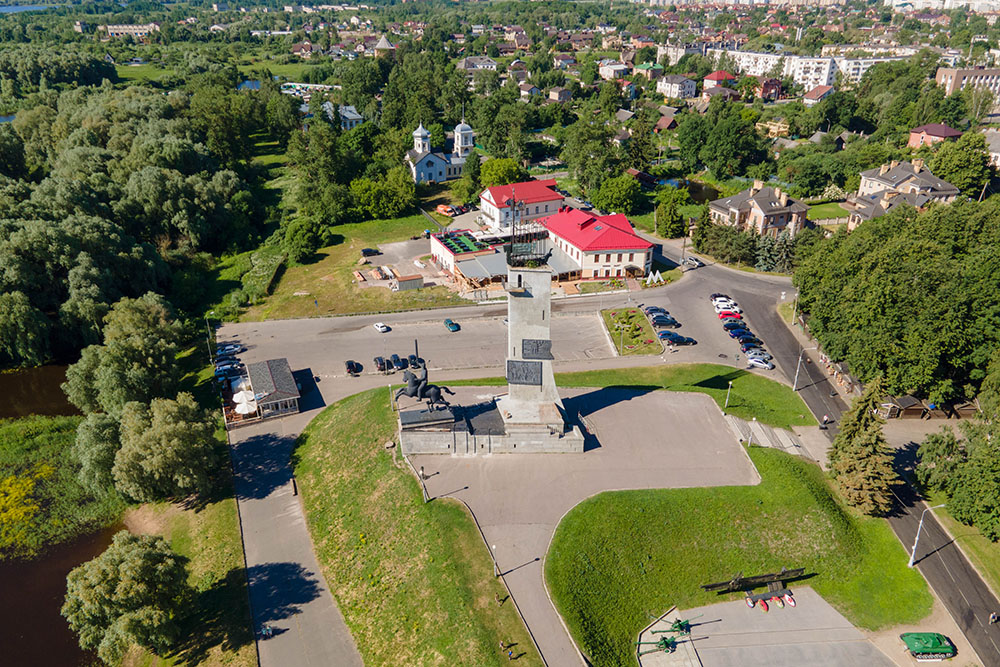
795 382
795 307
727 394
750 439
496 568
913 554
208 336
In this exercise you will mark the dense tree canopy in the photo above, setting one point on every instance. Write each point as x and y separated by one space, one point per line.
910 297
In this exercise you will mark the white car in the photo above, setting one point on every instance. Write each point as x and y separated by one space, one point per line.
757 362
731 307
722 299
380 327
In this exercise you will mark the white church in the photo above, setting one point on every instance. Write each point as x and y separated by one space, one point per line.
428 166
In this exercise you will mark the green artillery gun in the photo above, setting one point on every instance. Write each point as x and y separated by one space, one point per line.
681 626
665 644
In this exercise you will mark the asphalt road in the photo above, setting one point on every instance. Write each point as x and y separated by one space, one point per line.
954 580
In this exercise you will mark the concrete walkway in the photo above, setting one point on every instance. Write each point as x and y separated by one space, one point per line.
287 589
644 439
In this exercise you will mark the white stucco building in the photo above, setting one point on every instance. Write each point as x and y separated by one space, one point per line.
537 199
429 166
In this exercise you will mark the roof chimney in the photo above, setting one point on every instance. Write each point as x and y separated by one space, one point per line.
881 170
758 185
783 197
893 164
918 165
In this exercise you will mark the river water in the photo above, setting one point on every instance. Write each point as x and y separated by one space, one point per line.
32 592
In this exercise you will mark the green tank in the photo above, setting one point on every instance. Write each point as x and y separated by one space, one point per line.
928 646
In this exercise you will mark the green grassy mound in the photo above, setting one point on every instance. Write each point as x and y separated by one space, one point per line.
413 580
620 557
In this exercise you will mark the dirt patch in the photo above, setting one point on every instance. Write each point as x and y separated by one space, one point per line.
939 620
149 520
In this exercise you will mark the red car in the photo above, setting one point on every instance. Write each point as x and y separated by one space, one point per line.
724 314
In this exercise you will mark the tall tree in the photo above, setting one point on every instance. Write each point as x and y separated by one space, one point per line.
940 457
133 593
95 448
864 474
24 331
964 163
501 171
862 415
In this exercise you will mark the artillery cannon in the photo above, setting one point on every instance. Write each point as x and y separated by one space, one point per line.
681 626
665 644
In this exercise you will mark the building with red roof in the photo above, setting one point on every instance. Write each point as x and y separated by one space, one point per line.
601 246
926 135
719 78
537 198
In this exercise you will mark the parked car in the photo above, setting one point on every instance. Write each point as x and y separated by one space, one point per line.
380 365
225 358
728 313
229 348
755 362
737 333
760 354
673 338
414 360
451 326
666 323
656 310
397 363
730 307
443 209
352 367
370 252
746 347
380 327
693 262
717 295
749 338
729 325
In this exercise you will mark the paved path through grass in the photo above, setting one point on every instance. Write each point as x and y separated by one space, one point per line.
287 590
648 439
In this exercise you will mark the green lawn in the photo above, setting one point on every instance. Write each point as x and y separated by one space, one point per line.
595 286
148 72
413 580
290 71
771 402
827 211
620 558
329 279
786 311
630 331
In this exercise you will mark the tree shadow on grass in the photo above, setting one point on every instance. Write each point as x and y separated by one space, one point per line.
220 618
278 590
721 381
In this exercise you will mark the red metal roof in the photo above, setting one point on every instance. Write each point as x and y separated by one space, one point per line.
720 75
528 192
589 233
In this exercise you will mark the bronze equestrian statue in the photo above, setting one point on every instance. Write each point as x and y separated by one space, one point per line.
417 387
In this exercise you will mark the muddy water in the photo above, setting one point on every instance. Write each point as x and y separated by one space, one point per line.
34 632
34 391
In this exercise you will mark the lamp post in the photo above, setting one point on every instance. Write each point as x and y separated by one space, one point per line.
496 568
795 382
750 439
208 335
727 394
913 554
795 307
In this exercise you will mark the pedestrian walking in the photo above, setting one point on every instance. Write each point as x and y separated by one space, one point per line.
503 647
510 654
993 618
826 418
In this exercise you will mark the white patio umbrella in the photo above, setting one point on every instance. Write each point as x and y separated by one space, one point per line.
246 408
243 396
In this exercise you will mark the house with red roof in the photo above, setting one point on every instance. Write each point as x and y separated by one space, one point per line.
817 95
536 199
925 135
600 246
719 78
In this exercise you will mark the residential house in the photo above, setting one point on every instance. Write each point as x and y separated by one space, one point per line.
624 115
384 48
429 166
652 71
993 146
768 88
133 30
529 90
621 138
304 49
774 128
273 385
629 89
601 246
932 133
766 210
955 80
349 117
719 78
665 123
817 95
472 64
535 199
890 185
563 60
559 94
612 69
675 86
727 94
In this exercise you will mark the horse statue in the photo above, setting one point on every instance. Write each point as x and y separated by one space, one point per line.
417 387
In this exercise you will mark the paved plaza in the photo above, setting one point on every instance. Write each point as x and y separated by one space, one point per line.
644 439
730 634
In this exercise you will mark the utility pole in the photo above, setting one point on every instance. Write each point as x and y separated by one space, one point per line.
795 382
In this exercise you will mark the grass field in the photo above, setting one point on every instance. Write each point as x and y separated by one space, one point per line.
827 211
148 72
328 279
621 557
413 580
771 402
595 286
290 71
787 311
630 331
41 500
